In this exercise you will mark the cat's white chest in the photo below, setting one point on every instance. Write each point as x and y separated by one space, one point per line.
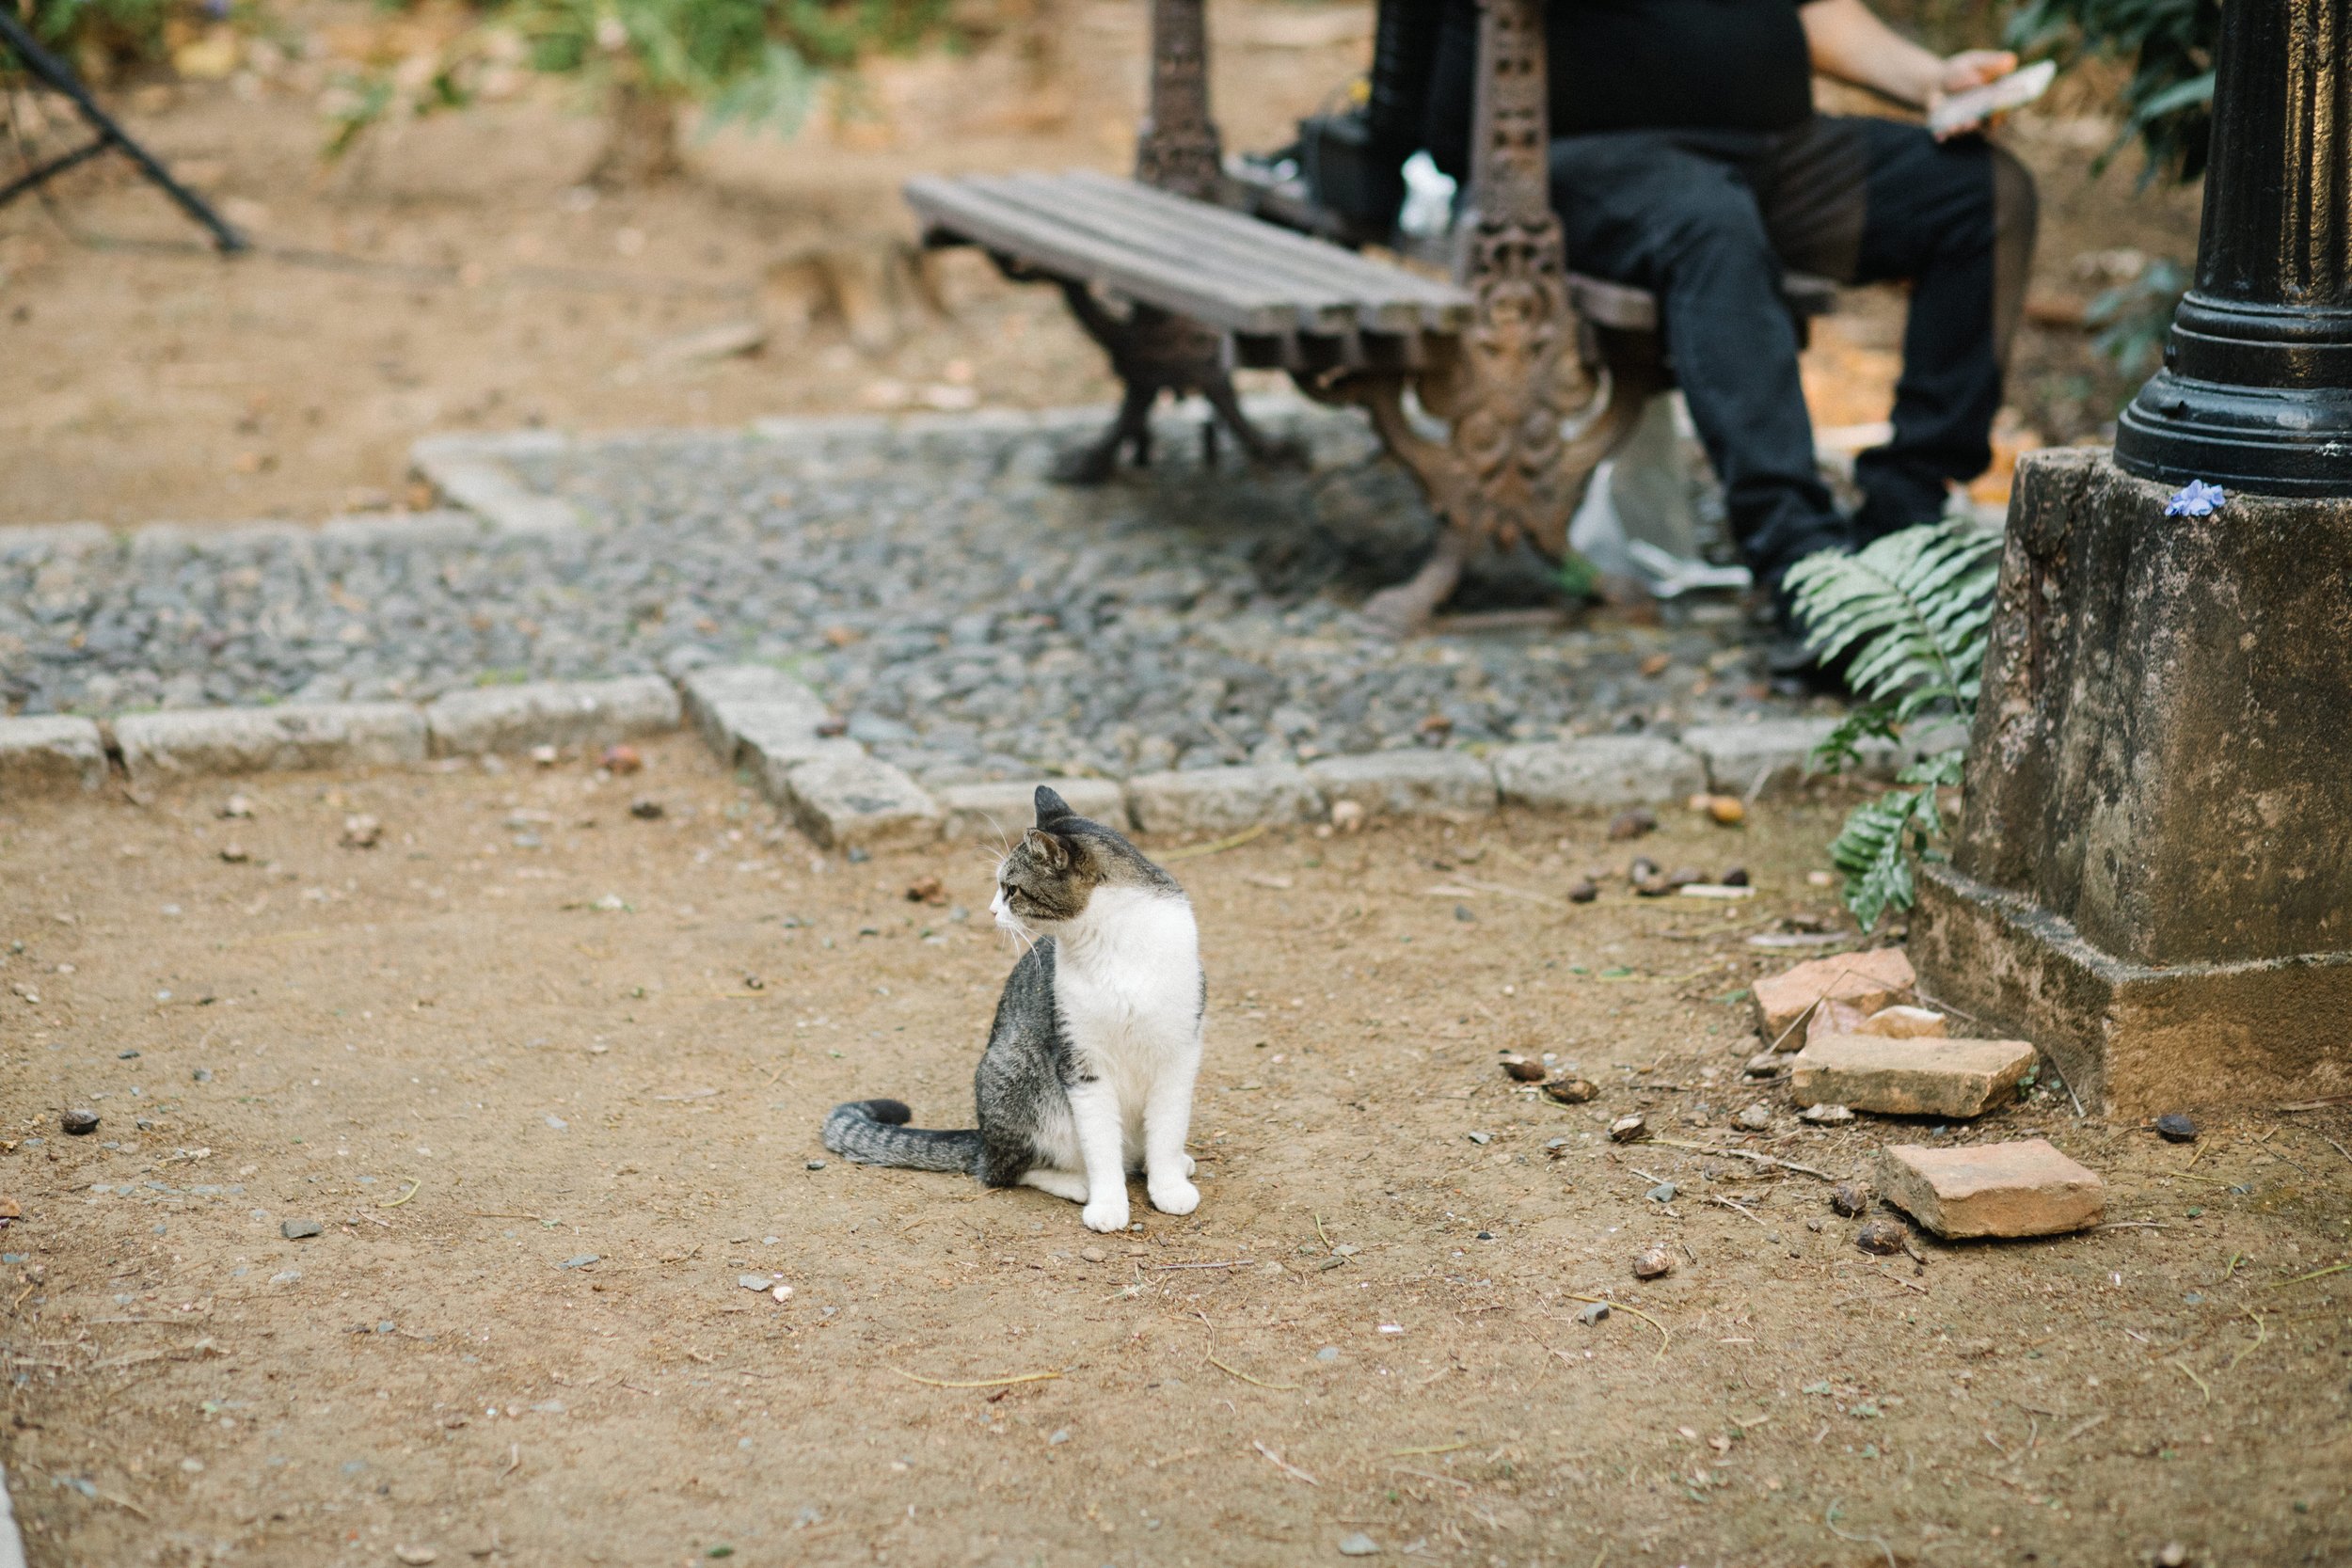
1127 983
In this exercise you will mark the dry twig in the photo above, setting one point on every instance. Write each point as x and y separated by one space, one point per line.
1664 1338
1254 1383
976 1382
1284 1466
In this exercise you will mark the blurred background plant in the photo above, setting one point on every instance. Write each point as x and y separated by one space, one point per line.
2168 100
757 63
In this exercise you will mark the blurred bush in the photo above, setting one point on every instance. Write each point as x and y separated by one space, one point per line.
750 62
2168 45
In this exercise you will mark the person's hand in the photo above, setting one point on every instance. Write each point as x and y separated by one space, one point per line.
1972 68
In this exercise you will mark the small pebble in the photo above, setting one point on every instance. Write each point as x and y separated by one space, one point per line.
1583 891
1061 1435
581 1262
300 1230
817 1165
234 854
2171 1555
1766 1064
1594 1312
1328 1353
361 831
754 1282
1092 1254
1358 1544
237 806
782 1293
1755 1119
1465 913
126 1055
1628 1129
1571 1091
1736 877
1655 1263
1632 823
80 1123
545 756
2176 1129
1664 1193
1525 1068
1849 1198
1643 869
1882 1237
645 808
623 758
1826 1116
1482 1137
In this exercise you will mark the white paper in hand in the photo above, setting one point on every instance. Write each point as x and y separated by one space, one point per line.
2014 90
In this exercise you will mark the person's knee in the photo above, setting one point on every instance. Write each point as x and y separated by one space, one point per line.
1714 222
2016 205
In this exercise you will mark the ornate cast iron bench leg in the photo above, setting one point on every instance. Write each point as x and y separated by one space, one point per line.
1152 352
1177 150
1506 472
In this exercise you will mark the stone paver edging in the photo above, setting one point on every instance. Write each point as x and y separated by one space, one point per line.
760 720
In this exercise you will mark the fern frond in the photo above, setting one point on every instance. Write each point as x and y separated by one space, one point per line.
1842 747
1873 850
1911 610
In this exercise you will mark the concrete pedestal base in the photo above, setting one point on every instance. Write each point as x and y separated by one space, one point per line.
2152 875
2131 1039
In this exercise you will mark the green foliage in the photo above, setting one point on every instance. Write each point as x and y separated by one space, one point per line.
110 29
749 62
2134 317
1909 613
2169 100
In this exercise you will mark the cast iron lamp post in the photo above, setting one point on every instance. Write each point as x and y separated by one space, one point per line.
2256 389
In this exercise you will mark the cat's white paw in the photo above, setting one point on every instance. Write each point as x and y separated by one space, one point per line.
1109 1214
1190 1164
1174 1197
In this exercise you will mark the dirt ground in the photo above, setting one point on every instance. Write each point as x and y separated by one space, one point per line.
548 1076
455 274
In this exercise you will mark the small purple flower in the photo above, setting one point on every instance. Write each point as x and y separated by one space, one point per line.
2195 499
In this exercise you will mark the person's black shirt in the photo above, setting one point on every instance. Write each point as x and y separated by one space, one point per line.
1628 65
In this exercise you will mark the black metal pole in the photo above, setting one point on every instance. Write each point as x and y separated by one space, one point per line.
53 73
2256 389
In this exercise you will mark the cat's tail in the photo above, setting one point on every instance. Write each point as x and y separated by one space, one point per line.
875 1132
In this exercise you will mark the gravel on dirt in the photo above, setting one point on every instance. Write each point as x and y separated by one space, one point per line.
967 618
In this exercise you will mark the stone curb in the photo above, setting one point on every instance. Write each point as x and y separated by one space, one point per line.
11 1544
1009 808
50 755
759 719
550 713
467 470
158 747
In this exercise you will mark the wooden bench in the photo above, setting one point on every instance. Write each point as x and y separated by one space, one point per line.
1179 285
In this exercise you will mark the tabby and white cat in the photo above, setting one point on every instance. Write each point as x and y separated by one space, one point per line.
1089 1067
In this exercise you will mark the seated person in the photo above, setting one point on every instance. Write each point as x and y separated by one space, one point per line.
1687 160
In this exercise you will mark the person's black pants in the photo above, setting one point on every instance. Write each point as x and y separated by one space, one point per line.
1707 219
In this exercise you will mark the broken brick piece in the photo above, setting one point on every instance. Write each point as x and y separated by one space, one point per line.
1830 1017
1909 1077
1867 981
2014 1189
1904 1023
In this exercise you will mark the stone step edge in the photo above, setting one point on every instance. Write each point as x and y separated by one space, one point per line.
1459 785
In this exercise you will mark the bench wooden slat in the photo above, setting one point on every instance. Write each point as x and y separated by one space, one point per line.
1320 307
1442 306
1374 276
1325 299
984 220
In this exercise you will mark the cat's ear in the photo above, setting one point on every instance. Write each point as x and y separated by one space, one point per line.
1050 808
1051 848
